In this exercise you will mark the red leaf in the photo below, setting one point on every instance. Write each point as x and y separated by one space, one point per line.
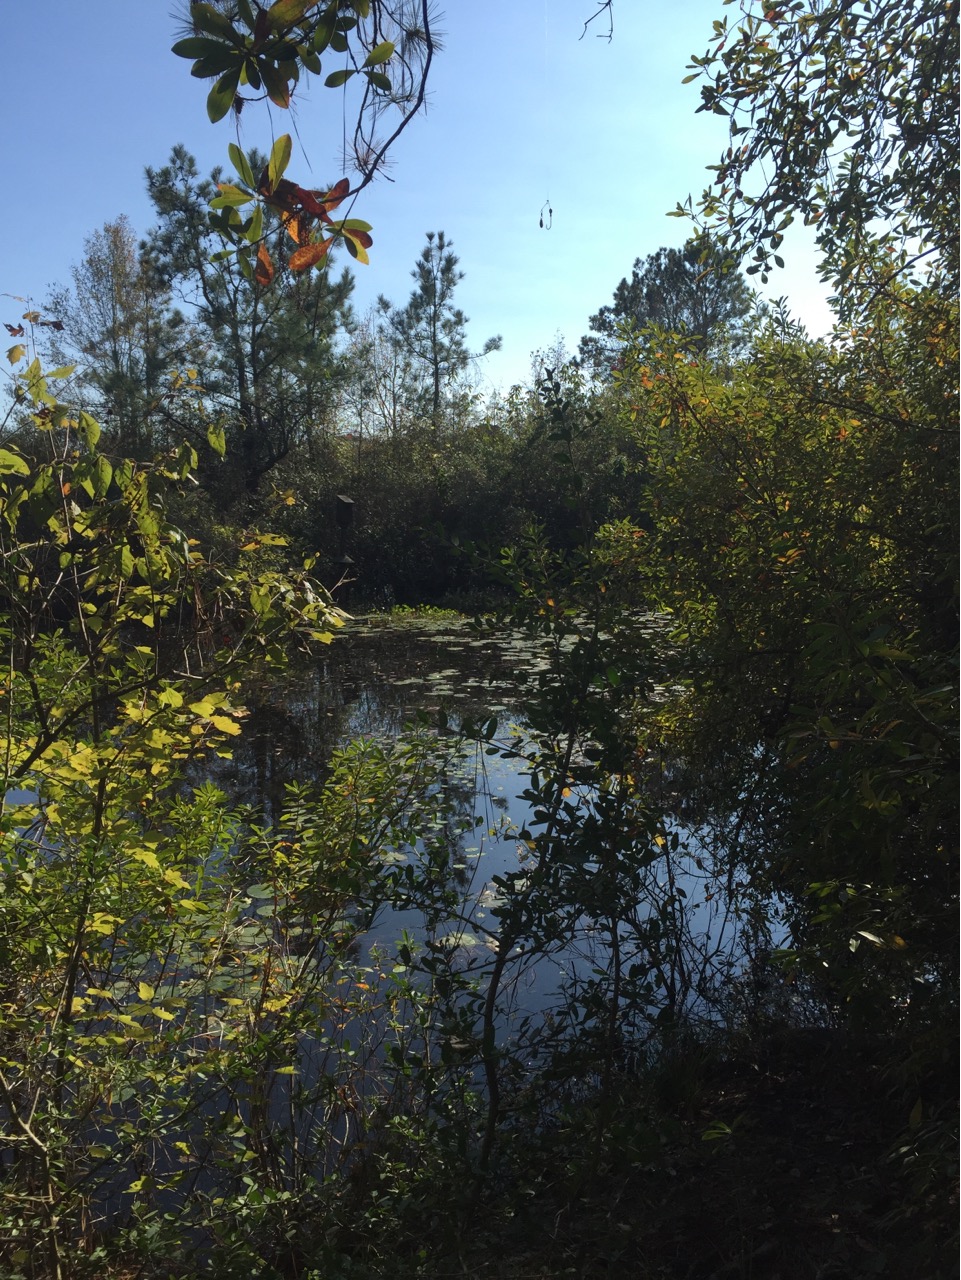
14 330
310 203
308 255
264 270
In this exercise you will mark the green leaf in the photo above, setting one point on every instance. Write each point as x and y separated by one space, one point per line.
12 464
221 96
103 474
230 197
206 18
241 164
379 80
217 440
89 429
275 82
279 159
286 13
380 53
199 47
337 78
256 228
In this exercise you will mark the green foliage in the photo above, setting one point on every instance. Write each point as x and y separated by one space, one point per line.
693 291
254 53
429 334
266 372
804 541
843 116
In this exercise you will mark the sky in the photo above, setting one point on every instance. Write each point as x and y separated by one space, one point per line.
524 110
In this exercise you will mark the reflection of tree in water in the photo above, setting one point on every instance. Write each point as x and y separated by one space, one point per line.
366 684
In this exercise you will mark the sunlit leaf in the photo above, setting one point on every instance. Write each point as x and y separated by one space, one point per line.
286 13
355 248
241 164
264 270
217 440
308 255
12 464
380 53
279 160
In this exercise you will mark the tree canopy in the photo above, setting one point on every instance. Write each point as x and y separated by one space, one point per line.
844 116
694 290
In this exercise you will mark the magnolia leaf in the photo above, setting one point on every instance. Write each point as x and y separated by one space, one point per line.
275 82
204 17
308 255
337 78
279 159
230 197
286 13
355 248
379 53
198 47
221 96
256 228
264 270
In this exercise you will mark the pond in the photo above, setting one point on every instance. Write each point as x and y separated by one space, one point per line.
376 679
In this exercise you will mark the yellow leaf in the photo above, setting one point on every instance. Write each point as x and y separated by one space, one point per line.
147 857
224 725
145 991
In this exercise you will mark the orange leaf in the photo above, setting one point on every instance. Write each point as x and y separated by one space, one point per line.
264 270
308 255
298 227
337 193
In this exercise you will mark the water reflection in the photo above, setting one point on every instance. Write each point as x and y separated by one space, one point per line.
687 931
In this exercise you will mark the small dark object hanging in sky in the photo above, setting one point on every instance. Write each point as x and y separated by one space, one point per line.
545 225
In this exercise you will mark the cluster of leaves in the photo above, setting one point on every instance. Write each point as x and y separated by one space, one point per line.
804 529
304 215
264 49
843 115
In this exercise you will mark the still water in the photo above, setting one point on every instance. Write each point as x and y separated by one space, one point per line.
375 679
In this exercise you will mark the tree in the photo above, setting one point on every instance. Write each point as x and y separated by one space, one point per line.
119 325
693 290
843 115
430 333
267 363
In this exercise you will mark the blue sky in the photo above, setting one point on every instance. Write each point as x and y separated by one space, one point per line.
521 111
